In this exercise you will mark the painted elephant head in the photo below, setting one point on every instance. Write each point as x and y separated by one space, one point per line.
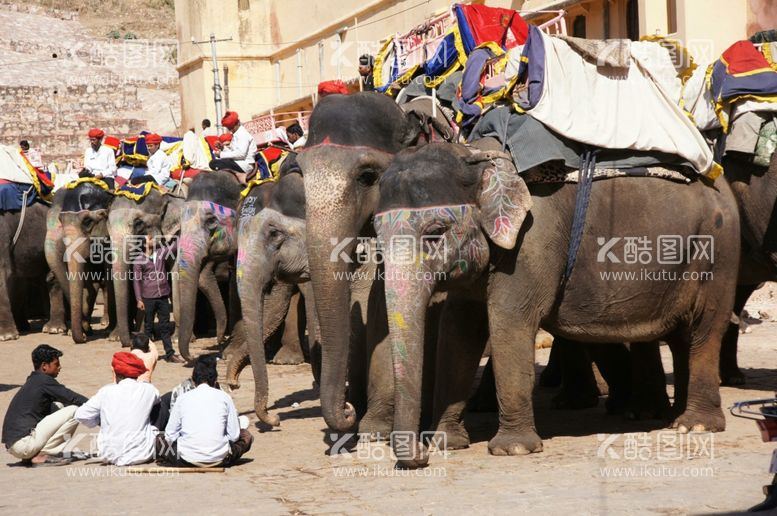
79 218
351 141
207 235
271 249
441 206
129 221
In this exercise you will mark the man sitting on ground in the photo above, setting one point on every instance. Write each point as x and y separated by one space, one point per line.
39 421
239 156
123 411
147 352
204 429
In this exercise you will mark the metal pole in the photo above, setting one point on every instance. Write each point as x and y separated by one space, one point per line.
216 84
299 73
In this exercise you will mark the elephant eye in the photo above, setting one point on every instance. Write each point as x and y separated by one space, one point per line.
275 236
88 223
367 177
138 227
435 230
211 222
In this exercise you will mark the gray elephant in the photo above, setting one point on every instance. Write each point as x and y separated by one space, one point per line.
155 214
77 250
23 264
351 141
271 258
503 263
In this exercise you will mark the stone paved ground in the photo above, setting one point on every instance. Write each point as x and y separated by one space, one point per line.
289 472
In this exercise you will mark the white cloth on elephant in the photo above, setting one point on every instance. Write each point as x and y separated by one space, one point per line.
101 162
123 411
614 107
158 166
242 149
195 150
12 166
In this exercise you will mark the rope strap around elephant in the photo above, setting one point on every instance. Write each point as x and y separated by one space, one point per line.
21 216
581 207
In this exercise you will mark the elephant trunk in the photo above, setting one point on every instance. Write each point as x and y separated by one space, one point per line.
76 255
406 308
121 282
251 289
190 256
331 289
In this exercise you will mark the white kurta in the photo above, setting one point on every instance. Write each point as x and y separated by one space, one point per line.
242 149
159 166
123 412
101 162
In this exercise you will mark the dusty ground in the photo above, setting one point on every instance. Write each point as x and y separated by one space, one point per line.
289 471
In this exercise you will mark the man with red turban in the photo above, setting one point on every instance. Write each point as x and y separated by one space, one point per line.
159 163
123 411
99 159
239 156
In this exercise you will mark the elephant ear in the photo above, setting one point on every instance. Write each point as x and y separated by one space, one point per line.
504 198
171 216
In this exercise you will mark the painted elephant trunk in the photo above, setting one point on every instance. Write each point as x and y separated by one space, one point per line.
331 290
76 256
190 256
406 302
121 285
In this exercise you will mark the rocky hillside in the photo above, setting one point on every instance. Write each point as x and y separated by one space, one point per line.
60 77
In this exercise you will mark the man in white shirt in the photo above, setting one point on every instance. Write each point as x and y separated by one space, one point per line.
296 136
207 129
123 410
239 156
99 159
32 155
203 429
159 163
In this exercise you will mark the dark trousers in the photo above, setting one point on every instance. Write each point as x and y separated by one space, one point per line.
225 164
167 453
160 414
159 306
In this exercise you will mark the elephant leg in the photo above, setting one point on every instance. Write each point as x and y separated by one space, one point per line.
578 386
730 374
291 346
699 397
378 421
57 316
8 329
614 363
20 302
551 375
649 399
512 334
462 339
110 317
237 357
209 286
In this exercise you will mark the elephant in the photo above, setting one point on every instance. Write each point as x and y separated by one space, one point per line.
156 214
24 264
207 241
351 140
75 249
271 258
499 248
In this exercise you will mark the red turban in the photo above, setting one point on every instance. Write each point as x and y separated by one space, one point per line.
95 133
128 365
230 120
225 138
153 138
330 87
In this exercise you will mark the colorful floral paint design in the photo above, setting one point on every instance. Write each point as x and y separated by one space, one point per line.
196 237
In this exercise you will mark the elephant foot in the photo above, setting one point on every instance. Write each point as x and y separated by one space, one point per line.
734 378
641 408
55 328
23 325
575 400
11 335
456 436
697 421
375 428
115 335
515 443
286 356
